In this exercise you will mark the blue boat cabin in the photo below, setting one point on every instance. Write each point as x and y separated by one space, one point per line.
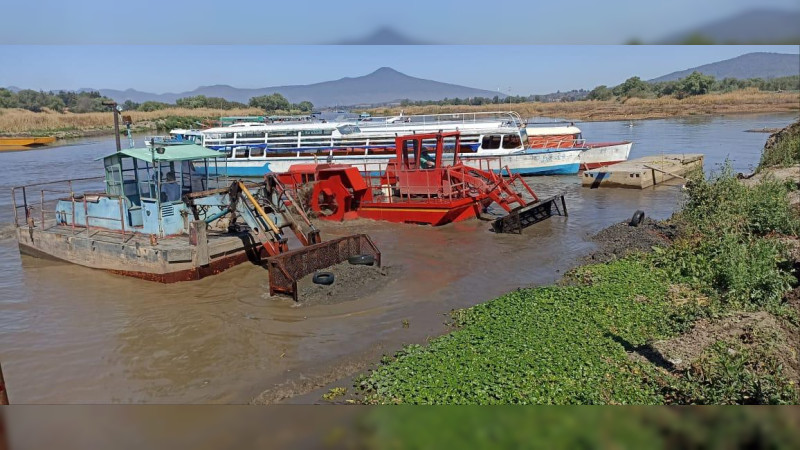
144 189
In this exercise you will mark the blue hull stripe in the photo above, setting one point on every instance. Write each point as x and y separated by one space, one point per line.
562 169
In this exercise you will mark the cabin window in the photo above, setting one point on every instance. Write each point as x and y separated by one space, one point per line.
491 142
348 129
256 152
274 134
511 141
319 132
251 135
241 152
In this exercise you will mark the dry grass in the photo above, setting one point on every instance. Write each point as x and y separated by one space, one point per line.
745 101
15 121
21 122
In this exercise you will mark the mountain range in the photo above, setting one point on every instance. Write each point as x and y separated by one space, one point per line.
387 85
381 86
756 26
750 65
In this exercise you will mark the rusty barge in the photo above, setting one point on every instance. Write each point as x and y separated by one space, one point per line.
156 216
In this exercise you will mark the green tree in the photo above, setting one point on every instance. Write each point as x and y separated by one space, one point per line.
152 106
305 106
32 100
696 84
601 92
130 105
198 101
633 87
269 103
8 99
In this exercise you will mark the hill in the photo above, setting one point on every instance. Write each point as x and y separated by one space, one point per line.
382 86
749 65
756 26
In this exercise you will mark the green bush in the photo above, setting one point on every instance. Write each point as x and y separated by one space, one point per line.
739 273
172 122
723 204
729 373
785 153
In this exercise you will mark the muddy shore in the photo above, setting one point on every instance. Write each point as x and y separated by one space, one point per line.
613 242
756 330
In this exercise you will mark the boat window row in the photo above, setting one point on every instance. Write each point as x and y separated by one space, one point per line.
497 141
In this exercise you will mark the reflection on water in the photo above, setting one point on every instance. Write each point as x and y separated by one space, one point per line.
74 335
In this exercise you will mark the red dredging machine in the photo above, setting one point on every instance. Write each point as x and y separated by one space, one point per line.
418 186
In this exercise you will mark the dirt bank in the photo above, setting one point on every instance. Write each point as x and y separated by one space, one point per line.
622 239
349 283
752 329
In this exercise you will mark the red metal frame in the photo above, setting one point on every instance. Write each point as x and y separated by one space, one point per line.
416 187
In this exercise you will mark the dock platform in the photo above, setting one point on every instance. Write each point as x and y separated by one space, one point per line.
644 172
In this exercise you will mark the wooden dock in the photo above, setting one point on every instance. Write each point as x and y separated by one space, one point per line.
643 172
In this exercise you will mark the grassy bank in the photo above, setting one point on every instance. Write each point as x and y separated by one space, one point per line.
712 318
23 122
739 102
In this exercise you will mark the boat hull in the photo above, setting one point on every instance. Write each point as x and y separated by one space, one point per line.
172 264
524 162
604 154
26 142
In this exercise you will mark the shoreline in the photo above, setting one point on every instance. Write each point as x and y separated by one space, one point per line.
21 123
693 327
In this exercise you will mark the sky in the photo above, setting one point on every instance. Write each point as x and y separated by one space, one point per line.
517 69
325 22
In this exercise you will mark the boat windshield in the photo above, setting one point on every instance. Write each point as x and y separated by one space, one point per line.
348 129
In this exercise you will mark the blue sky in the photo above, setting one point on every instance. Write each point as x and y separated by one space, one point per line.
322 22
520 70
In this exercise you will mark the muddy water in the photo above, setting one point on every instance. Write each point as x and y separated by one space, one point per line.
75 335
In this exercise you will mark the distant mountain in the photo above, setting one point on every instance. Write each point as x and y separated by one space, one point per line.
382 36
750 65
758 26
382 86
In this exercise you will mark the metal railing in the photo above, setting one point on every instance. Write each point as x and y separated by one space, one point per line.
48 216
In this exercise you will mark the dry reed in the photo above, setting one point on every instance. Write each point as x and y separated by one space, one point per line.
23 121
744 101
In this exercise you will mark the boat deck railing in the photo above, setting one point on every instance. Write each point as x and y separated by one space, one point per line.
511 117
549 142
35 206
427 191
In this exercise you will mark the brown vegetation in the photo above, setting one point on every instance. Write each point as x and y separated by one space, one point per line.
745 101
23 122
20 121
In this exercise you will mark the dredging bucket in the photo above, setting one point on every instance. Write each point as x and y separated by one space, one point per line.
524 216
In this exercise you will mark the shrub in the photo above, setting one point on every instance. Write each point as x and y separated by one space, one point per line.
729 373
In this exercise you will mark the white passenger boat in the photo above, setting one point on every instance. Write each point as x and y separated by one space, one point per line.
254 149
558 135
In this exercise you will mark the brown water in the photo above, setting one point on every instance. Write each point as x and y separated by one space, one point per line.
74 335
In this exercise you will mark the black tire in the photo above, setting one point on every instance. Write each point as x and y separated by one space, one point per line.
324 278
637 218
361 260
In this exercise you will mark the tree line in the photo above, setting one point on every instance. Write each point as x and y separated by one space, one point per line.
92 101
694 84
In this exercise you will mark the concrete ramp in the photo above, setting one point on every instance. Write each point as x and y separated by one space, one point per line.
643 172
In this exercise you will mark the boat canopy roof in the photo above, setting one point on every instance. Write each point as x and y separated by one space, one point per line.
183 152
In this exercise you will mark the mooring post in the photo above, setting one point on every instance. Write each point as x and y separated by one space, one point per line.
3 393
